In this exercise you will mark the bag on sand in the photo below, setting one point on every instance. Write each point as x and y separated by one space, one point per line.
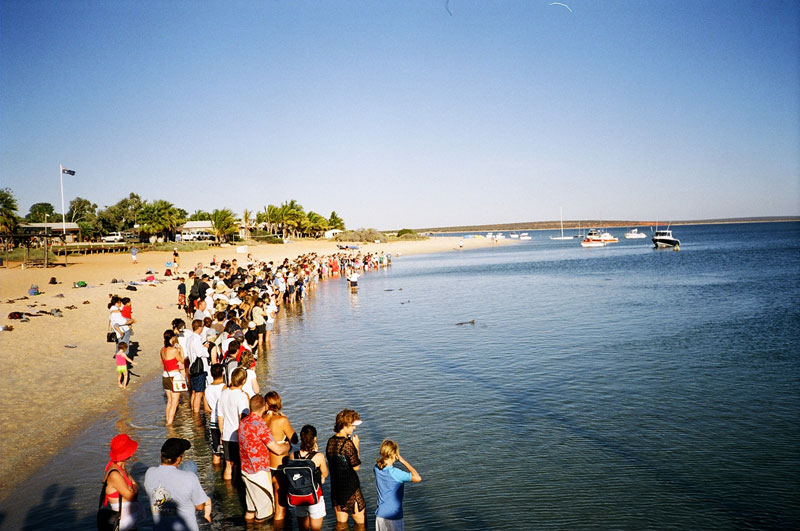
303 480
107 518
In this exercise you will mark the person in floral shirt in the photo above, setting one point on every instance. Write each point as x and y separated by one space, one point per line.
255 442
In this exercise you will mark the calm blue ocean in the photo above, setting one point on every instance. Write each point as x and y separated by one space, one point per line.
619 387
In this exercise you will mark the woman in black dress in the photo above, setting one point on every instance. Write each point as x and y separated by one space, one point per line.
343 463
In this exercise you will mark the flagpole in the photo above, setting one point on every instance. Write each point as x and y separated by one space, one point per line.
63 214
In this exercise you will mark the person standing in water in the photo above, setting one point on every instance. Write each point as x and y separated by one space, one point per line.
390 482
282 431
344 462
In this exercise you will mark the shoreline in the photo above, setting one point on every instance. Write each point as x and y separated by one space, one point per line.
593 223
67 357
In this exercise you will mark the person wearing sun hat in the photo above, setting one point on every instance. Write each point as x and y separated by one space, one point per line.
175 494
119 481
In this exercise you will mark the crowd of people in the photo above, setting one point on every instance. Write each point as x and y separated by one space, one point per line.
232 310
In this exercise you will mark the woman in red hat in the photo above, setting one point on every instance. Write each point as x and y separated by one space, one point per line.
121 483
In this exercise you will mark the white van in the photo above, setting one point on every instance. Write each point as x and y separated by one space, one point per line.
113 237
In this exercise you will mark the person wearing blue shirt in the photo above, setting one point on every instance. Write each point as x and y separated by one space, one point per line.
390 483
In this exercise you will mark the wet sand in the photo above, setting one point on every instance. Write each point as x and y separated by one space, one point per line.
50 391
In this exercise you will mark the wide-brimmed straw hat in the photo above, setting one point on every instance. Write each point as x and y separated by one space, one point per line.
122 447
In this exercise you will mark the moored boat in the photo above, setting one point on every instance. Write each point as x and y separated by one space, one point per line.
524 236
595 238
634 234
562 237
664 238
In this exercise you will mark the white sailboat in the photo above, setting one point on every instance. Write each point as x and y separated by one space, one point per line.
562 237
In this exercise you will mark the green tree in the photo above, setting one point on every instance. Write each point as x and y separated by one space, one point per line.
84 213
335 222
316 224
8 211
81 209
159 218
247 223
129 210
200 215
224 223
40 212
124 215
291 217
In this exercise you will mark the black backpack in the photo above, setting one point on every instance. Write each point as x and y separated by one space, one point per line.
196 368
304 480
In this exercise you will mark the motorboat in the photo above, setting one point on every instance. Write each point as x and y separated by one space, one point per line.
499 236
514 235
524 236
595 238
664 238
634 234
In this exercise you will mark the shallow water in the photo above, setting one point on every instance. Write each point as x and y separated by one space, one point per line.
616 387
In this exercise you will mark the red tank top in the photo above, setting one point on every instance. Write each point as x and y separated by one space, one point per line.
115 495
169 365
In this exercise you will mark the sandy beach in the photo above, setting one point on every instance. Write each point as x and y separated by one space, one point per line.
57 373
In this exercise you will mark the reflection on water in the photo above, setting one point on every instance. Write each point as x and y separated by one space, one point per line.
608 388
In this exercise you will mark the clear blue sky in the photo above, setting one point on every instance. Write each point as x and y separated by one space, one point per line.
396 113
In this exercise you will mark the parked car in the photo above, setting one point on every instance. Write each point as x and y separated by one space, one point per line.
113 237
198 236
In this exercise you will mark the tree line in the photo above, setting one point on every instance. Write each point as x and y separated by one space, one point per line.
160 218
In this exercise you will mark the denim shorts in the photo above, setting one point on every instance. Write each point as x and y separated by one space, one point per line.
199 383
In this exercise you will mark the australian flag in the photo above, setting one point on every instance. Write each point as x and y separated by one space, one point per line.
68 172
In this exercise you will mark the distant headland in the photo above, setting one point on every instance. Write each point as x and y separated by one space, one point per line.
590 223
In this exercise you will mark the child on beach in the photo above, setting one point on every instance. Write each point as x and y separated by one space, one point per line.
211 398
127 311
182 294
122 360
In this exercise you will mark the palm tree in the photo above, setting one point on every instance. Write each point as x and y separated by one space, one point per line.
247 224
159 218
291 216
335 222
223 222
200 215
316 225
8 211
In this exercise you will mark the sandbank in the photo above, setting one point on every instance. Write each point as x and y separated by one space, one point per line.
57 373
